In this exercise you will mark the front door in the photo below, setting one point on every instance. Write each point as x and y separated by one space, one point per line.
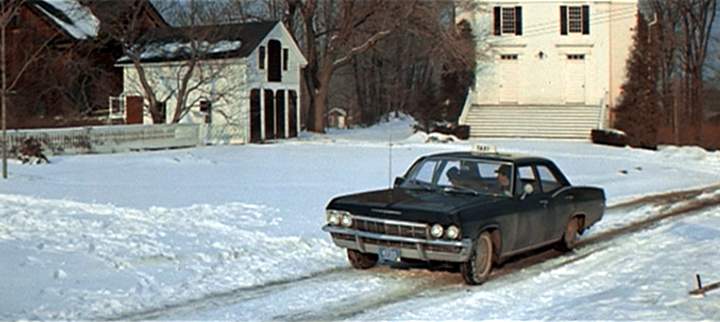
509 78
134 109
575 79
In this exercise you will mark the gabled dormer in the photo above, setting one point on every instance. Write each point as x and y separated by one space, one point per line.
276 55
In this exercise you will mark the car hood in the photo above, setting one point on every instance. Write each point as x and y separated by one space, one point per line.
409 205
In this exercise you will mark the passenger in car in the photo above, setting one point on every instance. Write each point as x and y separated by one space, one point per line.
503 180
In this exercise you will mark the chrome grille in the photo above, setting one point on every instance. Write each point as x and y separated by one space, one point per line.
391 227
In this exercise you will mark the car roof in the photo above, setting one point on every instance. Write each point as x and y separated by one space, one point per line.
492 156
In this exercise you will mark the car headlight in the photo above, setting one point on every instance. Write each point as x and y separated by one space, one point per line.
346 220
333 217
453 232
436 230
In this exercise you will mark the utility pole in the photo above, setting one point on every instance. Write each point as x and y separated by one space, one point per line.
3 65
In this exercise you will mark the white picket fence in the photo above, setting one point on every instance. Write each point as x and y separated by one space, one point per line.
119 138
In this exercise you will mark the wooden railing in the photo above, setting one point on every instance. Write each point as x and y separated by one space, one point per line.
110 139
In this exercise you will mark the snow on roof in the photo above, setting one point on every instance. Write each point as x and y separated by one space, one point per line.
76 19
182 49
217 41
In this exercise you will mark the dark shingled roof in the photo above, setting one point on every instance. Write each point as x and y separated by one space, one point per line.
249 34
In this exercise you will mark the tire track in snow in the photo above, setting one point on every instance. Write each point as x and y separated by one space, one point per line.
423 286
224 298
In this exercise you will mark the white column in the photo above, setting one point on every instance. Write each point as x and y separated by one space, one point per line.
297 110
262 113
287 113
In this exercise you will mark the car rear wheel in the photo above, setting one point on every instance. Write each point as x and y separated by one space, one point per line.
571 235
360 260
477 269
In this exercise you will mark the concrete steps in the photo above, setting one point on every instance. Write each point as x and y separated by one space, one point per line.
532 121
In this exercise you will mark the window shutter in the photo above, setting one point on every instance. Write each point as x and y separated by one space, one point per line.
518 21
498 25
563 20
586 20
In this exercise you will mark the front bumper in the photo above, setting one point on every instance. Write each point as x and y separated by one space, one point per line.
415 248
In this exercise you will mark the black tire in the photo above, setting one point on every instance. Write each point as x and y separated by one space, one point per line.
477 269
571 236
361 260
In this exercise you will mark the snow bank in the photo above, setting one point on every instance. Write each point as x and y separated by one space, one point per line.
99 260
695 153
394 129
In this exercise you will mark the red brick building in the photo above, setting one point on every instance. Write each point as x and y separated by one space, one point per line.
64 52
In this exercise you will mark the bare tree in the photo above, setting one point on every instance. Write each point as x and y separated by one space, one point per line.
698 17
666 39
424 69
333 33
9 80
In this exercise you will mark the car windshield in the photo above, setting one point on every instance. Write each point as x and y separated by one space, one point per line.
461 176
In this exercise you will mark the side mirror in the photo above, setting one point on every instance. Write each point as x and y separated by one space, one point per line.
399 181
527 190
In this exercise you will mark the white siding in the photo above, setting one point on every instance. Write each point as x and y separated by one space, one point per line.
543 67
226 91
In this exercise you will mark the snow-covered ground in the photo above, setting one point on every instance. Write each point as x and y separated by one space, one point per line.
103 236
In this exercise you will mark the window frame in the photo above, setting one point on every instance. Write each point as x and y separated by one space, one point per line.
501 26
554 176
574 20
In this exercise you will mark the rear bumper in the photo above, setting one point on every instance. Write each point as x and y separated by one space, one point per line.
435 250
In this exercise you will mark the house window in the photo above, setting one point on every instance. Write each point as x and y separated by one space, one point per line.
274 61
509 57
261 57
508 20
286 56
575 20
206 107
576 57
161 108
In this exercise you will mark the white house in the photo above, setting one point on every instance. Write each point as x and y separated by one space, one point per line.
246 87
554 68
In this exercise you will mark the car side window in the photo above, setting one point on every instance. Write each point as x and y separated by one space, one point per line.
426 171
548 179
525 176
451 170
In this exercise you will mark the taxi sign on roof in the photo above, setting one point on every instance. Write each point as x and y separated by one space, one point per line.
484 148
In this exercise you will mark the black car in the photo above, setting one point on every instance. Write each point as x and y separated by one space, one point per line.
471 208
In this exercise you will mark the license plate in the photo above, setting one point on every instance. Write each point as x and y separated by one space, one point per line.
389 254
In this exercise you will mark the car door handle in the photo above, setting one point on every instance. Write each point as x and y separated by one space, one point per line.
544 202
569 197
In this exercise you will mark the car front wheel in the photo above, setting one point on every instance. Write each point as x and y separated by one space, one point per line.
477 270
361 260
